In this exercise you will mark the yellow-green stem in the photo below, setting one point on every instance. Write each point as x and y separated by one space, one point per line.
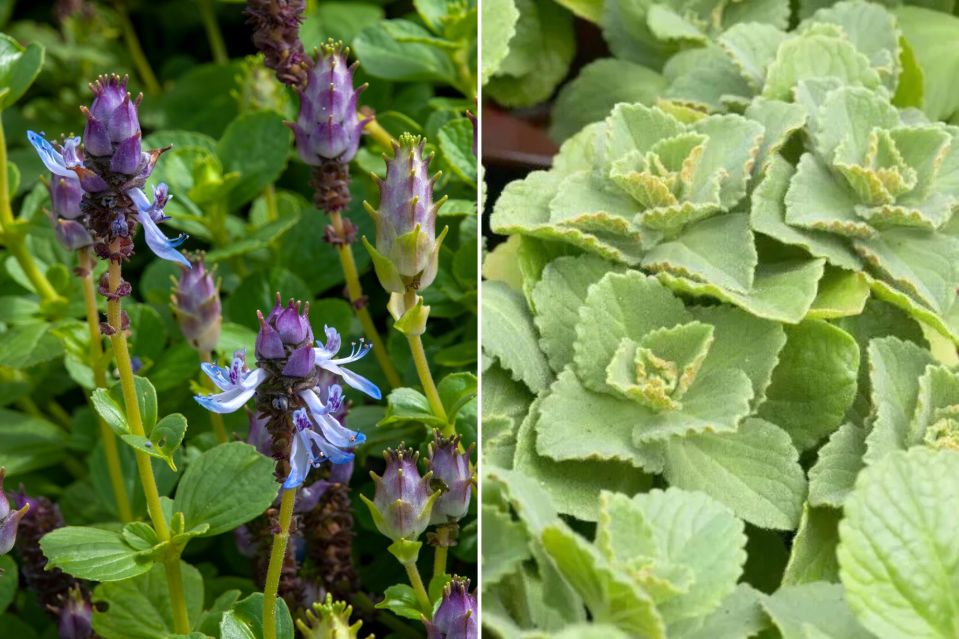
276 563
423 371
378 133
216 419
13 237
269 196
355 292
213 35
439 561
417 582
121 353
98 365
144 70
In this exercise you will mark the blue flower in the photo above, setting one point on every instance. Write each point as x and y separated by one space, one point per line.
237 383
324 358
310 449
68 165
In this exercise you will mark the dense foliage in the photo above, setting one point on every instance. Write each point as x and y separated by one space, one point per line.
245 189
720 384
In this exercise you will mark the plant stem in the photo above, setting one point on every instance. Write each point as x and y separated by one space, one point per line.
97 363
378 133
144 70
439 561
13 237
417 582
269 196
216 419
217 47
355 291
276 563
423 371
135 421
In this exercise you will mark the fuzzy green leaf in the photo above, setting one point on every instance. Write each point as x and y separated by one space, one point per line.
509 335
504 545
816 607
897 550
813 553
839 462
816 55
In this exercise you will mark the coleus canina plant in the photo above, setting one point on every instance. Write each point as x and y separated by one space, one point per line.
727 309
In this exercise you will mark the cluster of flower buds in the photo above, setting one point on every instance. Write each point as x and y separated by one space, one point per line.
293 391
329 620
112 171
453 476
65 196
61 595
9 519
457 616
403 500
407 250
196 305
276 33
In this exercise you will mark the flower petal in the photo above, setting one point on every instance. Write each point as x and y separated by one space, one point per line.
330 452
159 243
50 157
299 466
226 402
219 375
332 429
358 382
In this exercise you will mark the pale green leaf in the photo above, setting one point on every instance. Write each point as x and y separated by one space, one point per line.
815 382
245 619
739 615
817 201
819 607
751 47
557 298
610 596
895 368
898 557
841 294
780 120
833 475
510 336
816 55
872 29
932 35
755 471
93 553
499 26
504 545
813 553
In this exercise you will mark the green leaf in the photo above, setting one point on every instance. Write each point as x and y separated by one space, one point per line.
394 50
814 383
226 486
798 611
768 216
9 576
511 337
932 35
739 615
813 553
841 294
896 593
895 368
28 443
816 55
401 600
780 120
573 485
556 299
752 47
755 471
146 399
539 55
256 146
19 67
910 92
839 462
455 139
93 553
680 529
456 391
609 594
600 86
245 619
504 545
818 202
29 344
409 405
140 608
163 440
499 26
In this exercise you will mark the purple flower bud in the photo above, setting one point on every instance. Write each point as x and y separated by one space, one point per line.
276 32
9 519
328 127
403 500
292 326
268 342
113 128
65 195
301 362
284 331
407 249
452 473
76 615
457 616
196 304
71 234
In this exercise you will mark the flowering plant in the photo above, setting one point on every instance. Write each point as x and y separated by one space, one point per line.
203 376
